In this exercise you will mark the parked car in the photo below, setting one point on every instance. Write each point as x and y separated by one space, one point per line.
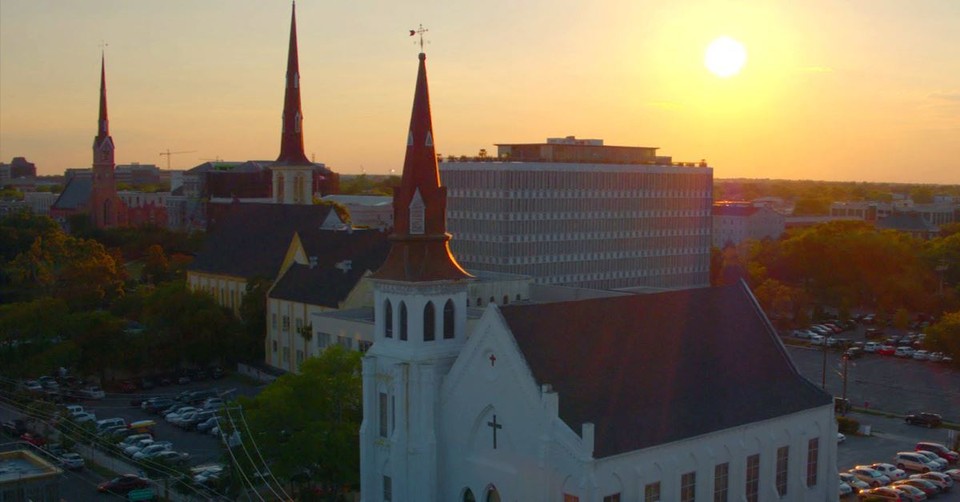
887 350
155 406
171 457
110 422
881 493
123 484
872 476
34 439
904 352
845 489
131 440
924 419
942 451
921 355
72 461
853 353
942 463
910 492
913 461
152 449
856 483
93 392
137 446
179 412
944 481
953 473
208 424
84 416
890 471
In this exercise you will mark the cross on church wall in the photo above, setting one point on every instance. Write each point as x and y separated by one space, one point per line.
494 425
493 360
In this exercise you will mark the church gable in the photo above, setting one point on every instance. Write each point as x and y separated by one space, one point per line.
494 414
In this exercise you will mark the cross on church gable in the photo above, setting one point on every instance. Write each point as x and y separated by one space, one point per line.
493 360
494 425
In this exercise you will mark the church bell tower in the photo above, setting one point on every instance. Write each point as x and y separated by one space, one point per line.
420 299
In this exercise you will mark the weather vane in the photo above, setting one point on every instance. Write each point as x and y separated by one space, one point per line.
103 46
421 30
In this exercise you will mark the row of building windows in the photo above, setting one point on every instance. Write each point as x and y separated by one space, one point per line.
721 477
574 194
582 178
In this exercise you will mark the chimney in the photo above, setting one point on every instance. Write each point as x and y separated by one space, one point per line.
313 262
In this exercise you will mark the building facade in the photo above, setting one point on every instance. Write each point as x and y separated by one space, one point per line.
734 223
603 226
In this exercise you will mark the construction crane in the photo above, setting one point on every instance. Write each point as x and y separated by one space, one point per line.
168 153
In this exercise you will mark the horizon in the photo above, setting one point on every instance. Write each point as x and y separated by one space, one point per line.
873 85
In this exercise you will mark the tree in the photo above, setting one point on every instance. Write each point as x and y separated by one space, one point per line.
253 314
944 336
309 423
156 266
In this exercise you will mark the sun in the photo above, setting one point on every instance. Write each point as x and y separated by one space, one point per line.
725 57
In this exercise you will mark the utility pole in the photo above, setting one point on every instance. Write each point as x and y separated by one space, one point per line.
823 373
846 360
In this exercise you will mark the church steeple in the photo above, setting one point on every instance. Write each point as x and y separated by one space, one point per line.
105 207
421 245
291 139
103 129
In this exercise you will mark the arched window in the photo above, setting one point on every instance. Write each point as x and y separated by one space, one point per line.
493 300
429 323
403 321
506 299
387 319
479 301
468 496
518 297
448 321
493 495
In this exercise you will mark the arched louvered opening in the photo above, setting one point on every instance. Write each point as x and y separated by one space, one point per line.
448 320
387 319
403 321
429 323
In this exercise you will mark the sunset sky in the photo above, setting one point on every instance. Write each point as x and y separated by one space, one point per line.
862 90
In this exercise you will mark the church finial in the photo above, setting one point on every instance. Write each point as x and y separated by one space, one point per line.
421 30
291 138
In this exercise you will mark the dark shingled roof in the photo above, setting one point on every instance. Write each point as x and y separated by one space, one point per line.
326 284
76 194
658 368
251 240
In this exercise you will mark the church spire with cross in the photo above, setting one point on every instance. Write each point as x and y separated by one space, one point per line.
291 139
420 249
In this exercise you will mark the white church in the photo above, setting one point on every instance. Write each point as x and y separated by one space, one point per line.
675 396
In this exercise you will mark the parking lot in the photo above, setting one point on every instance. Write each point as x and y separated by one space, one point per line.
897 386
80 485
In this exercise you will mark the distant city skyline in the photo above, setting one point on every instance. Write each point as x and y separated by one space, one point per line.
866 90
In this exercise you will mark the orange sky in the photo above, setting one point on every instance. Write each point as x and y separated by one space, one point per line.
857 90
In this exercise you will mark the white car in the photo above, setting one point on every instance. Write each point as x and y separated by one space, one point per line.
944 481
135 447
871 347
921 355
854 482
93 392
873 477
170 456
84 416
32 386
131 440
71 460
935 357
914 461
934 458
845 489
816 339
841 438
890 471
173 415
953 473
74 409
152 450
904 352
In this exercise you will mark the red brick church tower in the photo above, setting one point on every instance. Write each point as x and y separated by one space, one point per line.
106 209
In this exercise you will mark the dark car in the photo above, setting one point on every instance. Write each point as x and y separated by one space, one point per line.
853 353
924 419
123 484
873 333
158 405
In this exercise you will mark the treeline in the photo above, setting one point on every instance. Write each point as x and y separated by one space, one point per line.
70 301
844 267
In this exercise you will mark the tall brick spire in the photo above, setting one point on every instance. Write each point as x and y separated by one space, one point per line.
421 245
105 206
291 139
